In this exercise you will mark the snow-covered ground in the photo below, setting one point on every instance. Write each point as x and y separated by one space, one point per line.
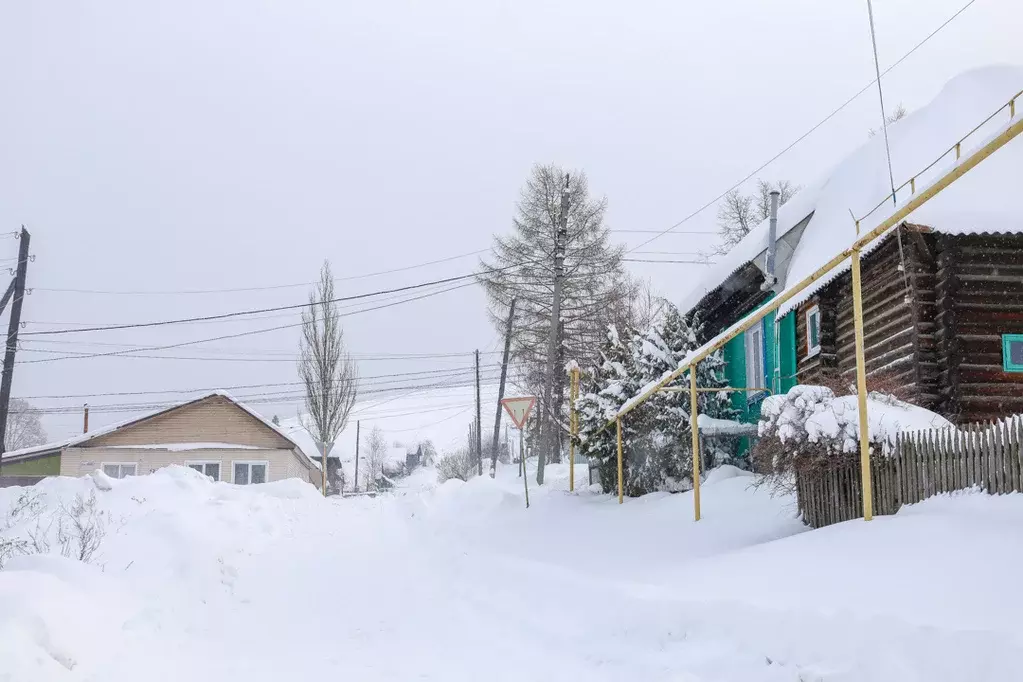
200 581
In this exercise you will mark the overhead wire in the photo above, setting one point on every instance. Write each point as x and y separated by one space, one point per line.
259 288
805 135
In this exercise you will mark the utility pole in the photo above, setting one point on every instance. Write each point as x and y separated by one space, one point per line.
548 434
357 424
479 421
12 337
500 388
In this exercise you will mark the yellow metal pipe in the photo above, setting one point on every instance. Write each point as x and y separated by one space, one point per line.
680 389
968 164
621 492
693 413
573 393
861 389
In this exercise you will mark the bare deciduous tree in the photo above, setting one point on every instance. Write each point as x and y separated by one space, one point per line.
897 115
596 286
375 457
739 213
24 428
328 372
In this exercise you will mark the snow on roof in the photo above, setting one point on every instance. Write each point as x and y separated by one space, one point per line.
396 453
983 201
181 447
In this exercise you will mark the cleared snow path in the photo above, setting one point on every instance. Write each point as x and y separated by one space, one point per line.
205 582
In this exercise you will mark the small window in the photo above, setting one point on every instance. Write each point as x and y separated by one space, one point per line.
813 331
1012 352
119 470
211 469
247 473
754 341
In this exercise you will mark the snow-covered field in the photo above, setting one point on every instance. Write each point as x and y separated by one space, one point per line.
200 581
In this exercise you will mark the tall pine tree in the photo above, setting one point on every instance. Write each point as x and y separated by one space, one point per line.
657 434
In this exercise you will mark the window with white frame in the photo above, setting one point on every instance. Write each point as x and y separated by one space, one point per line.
247 473
754 341
119 469
813 331
211 469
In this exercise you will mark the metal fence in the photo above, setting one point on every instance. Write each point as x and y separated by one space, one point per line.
921 464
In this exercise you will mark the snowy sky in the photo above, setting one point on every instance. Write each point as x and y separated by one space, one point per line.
212 145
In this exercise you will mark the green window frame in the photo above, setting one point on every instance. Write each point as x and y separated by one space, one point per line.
1008 363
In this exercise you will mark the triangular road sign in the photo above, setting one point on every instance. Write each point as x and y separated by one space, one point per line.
518 409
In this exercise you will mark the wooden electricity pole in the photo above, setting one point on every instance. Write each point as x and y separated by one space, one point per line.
12 337
479 421
500 388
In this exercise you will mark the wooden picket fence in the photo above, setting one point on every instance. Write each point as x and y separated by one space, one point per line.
919 465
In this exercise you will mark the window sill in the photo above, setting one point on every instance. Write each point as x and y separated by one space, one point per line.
756 396
813 352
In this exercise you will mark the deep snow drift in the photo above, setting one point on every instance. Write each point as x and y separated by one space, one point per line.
200 581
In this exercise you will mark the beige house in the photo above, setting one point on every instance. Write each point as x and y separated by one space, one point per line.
213 434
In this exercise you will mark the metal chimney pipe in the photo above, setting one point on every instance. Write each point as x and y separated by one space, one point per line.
772 236
85 420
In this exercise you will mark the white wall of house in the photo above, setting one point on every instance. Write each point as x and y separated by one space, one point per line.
280 463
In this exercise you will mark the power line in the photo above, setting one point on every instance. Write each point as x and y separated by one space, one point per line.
208 389
257 311
661 232
802 137
131 353
262 288
689 262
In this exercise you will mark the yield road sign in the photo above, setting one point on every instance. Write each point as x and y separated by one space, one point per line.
518 409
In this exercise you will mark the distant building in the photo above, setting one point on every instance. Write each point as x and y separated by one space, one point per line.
213 434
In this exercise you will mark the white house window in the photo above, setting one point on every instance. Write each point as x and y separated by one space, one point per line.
119 469
246 473
813 331
754 342
211 469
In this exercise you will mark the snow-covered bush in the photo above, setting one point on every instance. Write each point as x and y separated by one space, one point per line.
656 435
811 429
74 530
459 464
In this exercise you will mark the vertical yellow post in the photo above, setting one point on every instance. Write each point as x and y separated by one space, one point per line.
573 422
621 493
693 412
861 389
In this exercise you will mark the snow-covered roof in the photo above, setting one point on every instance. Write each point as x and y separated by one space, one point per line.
83 437
982 201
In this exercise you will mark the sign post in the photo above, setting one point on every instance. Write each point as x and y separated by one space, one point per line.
518 410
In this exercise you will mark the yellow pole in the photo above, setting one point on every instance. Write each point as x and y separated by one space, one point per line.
522 457
693 412
621 494
861 389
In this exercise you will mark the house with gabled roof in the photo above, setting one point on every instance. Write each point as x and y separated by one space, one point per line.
213 434
942 291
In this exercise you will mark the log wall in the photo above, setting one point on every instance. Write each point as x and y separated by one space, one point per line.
981 299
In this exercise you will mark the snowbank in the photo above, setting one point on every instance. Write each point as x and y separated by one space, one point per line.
207 582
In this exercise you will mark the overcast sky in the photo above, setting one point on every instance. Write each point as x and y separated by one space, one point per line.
197 145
